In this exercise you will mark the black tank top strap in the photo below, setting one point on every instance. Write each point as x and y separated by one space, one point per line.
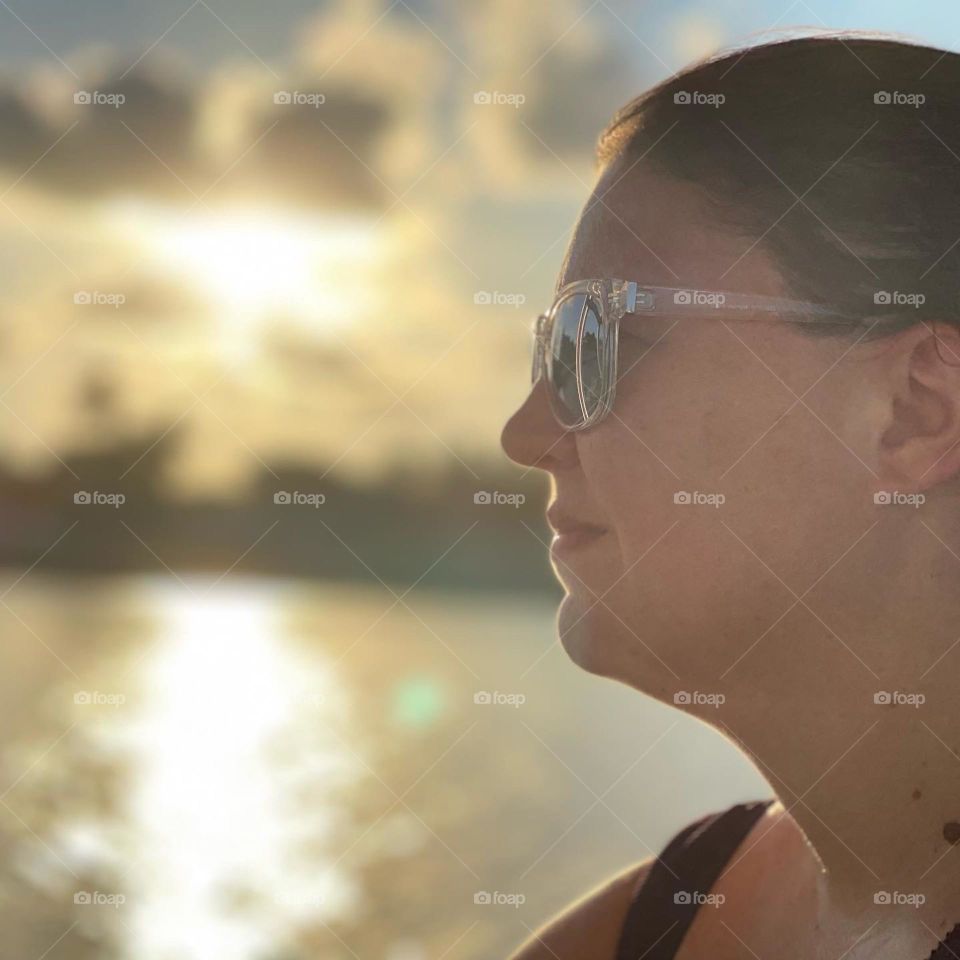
665 903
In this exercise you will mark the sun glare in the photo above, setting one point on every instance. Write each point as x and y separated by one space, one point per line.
230 727
262 267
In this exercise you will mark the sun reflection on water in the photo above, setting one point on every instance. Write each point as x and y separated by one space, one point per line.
230 734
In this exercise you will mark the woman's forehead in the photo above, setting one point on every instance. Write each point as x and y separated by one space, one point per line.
624 228
641 224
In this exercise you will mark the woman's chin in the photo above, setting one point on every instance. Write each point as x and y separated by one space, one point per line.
600 641
591 635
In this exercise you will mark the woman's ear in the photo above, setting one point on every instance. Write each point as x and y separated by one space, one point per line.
919 446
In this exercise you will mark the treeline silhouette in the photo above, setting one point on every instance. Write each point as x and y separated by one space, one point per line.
409 527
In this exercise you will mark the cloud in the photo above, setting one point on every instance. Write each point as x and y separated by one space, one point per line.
570 81
134 137
364 126
568 122
484 207
23 133
143 136
318 155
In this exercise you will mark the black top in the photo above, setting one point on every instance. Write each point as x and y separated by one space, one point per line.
665 903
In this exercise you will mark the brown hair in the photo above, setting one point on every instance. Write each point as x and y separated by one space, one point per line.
865 130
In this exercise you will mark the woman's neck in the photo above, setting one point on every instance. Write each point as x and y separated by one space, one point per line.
869 771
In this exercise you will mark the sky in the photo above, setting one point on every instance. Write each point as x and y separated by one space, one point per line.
310 232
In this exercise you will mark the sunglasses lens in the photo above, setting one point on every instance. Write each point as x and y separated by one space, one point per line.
591 370
535 367
562 359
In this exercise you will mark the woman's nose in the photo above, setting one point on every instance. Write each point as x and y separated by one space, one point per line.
533 438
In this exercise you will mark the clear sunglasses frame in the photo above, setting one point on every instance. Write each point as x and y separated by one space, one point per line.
614 299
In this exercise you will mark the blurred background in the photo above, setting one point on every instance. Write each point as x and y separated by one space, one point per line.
279 675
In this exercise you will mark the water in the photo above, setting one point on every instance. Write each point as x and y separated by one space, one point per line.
253 770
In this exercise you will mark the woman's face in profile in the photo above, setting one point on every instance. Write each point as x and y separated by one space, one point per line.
735 473
733 557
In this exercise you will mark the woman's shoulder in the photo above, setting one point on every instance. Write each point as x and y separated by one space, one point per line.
590 928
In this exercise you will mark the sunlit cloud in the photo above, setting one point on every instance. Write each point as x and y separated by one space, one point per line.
261 267
309 269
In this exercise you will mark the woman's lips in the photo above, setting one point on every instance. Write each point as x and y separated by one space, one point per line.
570 532
572 538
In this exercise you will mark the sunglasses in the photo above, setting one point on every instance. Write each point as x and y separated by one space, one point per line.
575 342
